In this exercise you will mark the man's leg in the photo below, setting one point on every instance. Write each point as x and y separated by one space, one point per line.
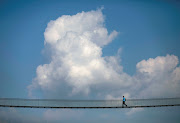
125 104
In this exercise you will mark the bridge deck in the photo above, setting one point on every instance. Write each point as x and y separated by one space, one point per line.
55 103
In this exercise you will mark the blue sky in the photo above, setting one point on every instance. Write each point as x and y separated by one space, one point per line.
147 29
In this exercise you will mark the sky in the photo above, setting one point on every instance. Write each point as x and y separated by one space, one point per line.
89 50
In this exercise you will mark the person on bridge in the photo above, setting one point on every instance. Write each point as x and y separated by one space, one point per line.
124 100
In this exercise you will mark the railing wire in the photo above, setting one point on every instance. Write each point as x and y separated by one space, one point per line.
56 103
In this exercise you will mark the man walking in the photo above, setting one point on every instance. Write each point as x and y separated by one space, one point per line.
124 100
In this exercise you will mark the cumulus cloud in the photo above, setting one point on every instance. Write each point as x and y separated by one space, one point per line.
159 65
159 77
77 66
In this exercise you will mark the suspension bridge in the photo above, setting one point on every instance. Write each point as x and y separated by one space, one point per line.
57 103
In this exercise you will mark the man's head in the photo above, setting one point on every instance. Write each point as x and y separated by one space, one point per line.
123 96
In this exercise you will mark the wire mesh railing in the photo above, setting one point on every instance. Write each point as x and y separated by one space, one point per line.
56 103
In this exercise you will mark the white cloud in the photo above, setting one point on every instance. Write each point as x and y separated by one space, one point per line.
159 65
63 114
76 63
158 77
77 67
86 25
134 110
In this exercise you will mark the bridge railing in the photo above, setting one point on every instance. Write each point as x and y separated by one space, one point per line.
153 102
55 103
